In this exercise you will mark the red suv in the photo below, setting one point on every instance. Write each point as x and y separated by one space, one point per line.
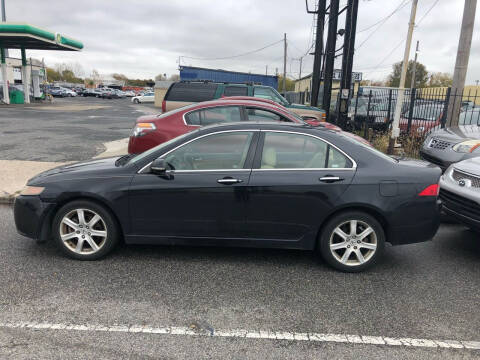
149 131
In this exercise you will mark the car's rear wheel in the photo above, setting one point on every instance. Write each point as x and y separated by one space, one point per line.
352 241
85 230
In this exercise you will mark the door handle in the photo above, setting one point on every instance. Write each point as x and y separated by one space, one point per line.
228 181
330 179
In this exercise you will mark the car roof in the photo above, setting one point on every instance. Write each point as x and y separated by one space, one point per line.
261 125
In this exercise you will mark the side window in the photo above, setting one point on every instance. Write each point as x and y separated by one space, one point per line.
214 115
213 152
264 115
191 92
264 93
235 91
296 151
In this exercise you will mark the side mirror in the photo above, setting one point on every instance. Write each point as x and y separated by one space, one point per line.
159 166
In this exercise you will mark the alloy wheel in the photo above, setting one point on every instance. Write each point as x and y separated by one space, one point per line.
83 231
353 242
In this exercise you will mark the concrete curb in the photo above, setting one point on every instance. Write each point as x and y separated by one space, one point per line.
15 173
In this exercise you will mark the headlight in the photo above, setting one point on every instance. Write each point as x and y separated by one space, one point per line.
467 146
141 129
32 190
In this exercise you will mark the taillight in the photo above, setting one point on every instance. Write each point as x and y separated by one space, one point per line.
164 106
142 128
430 190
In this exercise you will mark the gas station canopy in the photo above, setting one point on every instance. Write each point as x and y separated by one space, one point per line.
17 36
26 37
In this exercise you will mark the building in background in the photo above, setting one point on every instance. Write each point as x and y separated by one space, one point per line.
304 85
35 70
189 73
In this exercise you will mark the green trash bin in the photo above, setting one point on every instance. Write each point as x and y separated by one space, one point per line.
16 97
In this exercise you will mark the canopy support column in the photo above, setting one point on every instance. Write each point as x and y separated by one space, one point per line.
25 77
6 97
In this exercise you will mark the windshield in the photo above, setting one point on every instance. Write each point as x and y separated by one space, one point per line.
279 98
370 148
145 154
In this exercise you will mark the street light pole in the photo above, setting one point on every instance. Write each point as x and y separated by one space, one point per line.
4 19
401 87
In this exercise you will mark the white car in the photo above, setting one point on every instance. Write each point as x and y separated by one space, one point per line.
129 93
145 98
69 92
460 192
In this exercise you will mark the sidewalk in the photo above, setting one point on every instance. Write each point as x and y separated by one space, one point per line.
14 174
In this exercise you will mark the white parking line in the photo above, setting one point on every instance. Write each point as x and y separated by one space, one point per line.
253 334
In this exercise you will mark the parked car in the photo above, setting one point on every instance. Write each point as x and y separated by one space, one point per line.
444 147
147 97
129 93
57 91
308 119
149 131
69 92
460 192
188 92
246 184
424 118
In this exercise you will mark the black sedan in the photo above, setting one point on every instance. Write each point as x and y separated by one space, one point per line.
249 184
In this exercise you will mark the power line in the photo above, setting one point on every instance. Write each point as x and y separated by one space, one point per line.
382 19
234 56
399 7
403 40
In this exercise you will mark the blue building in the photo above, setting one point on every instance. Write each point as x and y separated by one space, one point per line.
195 73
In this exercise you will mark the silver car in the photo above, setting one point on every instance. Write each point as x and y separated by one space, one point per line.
460 192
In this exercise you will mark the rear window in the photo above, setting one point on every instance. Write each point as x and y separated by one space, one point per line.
235 91
192 92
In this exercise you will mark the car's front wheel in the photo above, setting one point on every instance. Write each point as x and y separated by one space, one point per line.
352 241
136 101
85 230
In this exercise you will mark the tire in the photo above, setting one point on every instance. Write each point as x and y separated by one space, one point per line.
105 226
136 101
370 247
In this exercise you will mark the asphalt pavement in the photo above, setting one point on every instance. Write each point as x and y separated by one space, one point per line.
70 129
421 291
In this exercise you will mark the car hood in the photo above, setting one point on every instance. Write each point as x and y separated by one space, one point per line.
462 132
304 107
102 166
471 166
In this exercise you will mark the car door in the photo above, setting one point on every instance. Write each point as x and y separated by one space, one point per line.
204 193
295 182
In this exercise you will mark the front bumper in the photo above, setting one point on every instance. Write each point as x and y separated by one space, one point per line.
31 214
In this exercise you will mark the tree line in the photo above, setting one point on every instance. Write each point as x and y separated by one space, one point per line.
423 78
74 73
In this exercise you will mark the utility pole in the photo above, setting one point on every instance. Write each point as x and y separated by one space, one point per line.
330 56
4 19
347 58
317 61
284 85
300 71
412 80
401 87
266 69
461 64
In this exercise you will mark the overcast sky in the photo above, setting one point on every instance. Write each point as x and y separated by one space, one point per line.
145 38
